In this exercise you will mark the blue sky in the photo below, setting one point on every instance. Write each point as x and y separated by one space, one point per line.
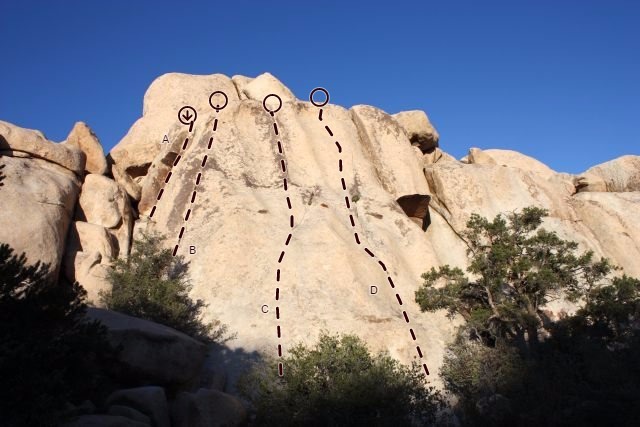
558 80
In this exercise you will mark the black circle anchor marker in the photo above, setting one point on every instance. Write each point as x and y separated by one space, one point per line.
217 107
326 94
187 117
264 103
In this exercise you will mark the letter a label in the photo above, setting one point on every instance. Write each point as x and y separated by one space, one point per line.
165 140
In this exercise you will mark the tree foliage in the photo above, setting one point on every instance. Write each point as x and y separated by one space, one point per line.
515 269
50 355
339 382
583 372
152 284
473 369
612 311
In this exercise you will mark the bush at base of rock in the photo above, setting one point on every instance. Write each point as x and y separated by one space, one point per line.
152 284
50 355
512 364
339 382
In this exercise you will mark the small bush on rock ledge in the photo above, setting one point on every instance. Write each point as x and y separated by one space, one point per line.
152 284
338 382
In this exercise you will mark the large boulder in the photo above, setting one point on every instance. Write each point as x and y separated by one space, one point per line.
241 82
126 411
83 139
86 237
611 219
101 234
150 401
34 143
513 159
598 222
88 256
389 152
103 202
103 420
38 196
134 154
436 155
458 190
263 85
125 181
589 183
617 175
478 157
154 353
419 129
207 408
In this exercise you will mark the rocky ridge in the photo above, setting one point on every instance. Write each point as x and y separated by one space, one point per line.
218 188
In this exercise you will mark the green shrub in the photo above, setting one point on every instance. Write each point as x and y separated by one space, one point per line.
152 284
517 268
339 382
471 369
511 364
50 355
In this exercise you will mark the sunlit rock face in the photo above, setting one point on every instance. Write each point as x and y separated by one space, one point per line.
312 218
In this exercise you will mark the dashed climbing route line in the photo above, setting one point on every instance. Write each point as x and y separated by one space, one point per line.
196 182
2 176
283 166
352 221
187 116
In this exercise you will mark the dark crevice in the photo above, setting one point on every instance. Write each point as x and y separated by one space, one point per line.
138 171
424 144
416 207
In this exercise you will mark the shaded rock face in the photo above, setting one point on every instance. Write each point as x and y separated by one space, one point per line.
416 206
154 353
102 420
218 193
150 401
88 255
101 233
207 408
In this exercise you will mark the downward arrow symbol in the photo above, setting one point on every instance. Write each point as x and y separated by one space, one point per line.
187 116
